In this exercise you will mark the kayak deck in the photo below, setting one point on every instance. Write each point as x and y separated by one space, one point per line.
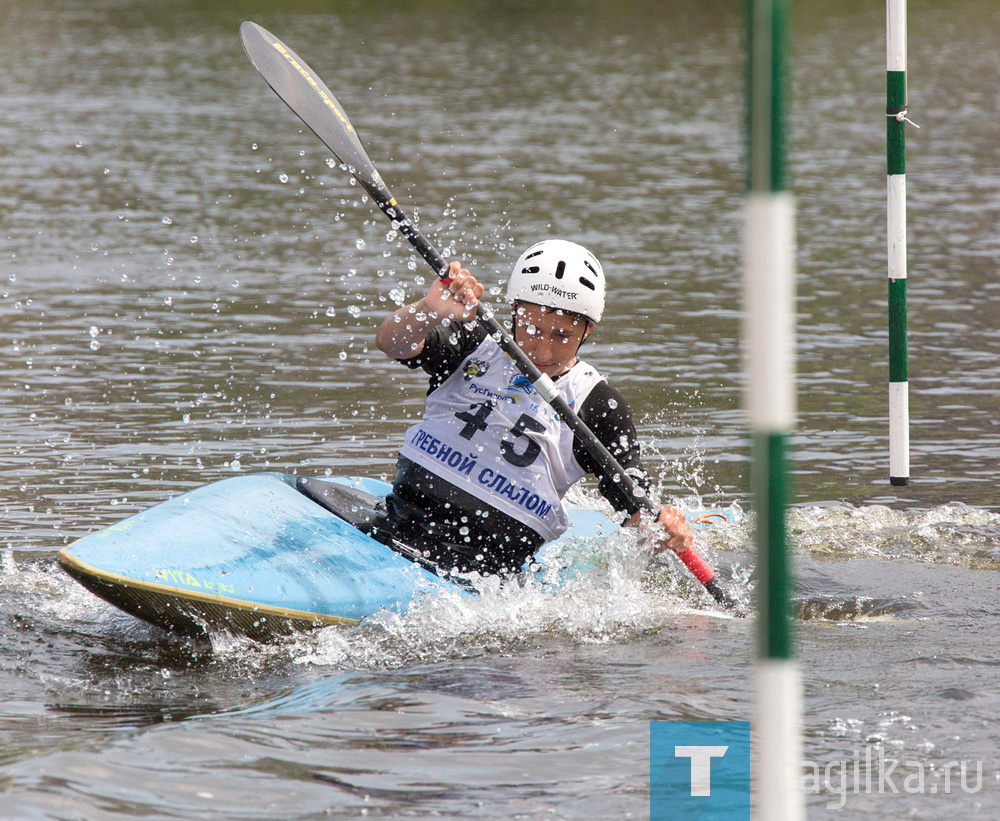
255 555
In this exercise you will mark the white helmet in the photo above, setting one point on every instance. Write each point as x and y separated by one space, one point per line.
560 274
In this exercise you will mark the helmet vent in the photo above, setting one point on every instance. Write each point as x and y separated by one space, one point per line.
592 269
588 283
561 269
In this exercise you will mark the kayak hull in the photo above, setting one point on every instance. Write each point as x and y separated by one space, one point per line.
191 613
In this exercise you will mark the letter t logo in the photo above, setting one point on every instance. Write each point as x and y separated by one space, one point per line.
701 766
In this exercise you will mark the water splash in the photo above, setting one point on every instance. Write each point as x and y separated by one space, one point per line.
621 597
954 534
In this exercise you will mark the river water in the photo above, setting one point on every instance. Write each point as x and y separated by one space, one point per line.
189 291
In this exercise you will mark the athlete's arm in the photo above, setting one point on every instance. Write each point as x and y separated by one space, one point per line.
402 333
607 414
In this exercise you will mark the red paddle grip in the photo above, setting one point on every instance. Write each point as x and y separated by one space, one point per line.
696 564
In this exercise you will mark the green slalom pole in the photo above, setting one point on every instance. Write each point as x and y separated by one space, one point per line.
769 248
895 142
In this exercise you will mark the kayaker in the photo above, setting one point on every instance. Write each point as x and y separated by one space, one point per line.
480 479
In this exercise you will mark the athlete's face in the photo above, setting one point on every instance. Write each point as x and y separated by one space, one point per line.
549 338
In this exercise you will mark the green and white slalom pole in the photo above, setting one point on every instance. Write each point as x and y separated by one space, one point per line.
895 142
769 248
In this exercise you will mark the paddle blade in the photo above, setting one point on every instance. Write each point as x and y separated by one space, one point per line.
309 98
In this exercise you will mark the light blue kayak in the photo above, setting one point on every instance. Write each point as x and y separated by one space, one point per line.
255 555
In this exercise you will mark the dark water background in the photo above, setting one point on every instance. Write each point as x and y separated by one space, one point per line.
189 290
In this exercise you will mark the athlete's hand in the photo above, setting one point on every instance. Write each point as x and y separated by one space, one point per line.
403 332
670 532
457 299
674 532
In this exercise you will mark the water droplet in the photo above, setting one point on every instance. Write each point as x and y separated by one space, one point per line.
253 146
354 311
194 240
282 177
398 295
342 355
331 311
612 403
167 221
359 244
94 345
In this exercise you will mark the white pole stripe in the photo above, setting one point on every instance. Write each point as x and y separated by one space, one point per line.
769 249
778 688
895 41
896 232
899 429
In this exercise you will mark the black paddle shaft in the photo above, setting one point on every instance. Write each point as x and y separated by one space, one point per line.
309 99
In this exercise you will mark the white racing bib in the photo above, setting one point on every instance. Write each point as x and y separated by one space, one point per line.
487 431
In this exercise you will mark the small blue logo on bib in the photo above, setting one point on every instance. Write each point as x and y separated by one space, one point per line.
520 383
